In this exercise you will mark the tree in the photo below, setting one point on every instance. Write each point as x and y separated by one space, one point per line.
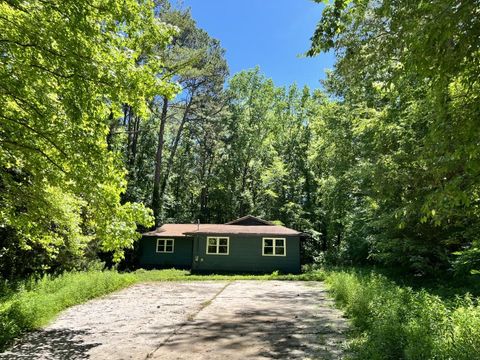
412 67
202 70
66 69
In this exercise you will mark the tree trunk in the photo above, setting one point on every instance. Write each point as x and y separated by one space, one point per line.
158 163
129 132
173 152
243 204
134 141
203 174
206 209
111 130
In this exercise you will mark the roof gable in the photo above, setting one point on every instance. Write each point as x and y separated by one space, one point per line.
249 220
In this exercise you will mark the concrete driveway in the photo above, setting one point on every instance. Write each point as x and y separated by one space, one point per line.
195 320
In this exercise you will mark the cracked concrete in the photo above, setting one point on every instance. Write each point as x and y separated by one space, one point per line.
246 319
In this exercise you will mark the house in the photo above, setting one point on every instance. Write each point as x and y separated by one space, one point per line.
248 244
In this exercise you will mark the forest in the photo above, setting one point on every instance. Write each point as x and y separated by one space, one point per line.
136 122
120 116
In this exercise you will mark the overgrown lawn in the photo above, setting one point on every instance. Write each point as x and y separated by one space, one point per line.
397 322
389 320
33 304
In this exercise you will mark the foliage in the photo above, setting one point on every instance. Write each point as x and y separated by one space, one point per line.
396 322
66 68
382 166
227 149
398 150
151 144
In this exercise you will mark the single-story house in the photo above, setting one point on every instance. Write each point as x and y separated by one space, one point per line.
248 244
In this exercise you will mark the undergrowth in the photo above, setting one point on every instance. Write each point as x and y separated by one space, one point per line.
34 303
389 320
396 322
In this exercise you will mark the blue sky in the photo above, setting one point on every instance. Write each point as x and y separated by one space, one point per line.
268 33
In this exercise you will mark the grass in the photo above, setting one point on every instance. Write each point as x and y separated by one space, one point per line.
392 318
392 321
185 275
33 304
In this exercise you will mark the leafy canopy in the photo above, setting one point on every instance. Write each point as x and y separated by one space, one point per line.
66 67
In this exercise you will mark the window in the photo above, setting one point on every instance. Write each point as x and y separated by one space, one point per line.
164 245
217 245
274 247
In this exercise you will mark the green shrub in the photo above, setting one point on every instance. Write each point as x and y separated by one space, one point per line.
463 341
395 322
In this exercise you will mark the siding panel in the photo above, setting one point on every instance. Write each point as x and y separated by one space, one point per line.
180 258
245 254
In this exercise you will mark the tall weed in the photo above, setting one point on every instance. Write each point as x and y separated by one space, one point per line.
395 322
36 303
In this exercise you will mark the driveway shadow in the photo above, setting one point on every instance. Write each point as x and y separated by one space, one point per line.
261 333
51 344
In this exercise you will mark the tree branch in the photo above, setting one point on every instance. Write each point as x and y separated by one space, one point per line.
35 149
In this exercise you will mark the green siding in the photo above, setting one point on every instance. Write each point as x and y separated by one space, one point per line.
245 254
180 258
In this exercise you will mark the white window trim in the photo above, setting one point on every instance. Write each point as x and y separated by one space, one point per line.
274 246
165 245
218 245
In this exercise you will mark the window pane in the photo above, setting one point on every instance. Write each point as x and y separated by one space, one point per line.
268 250
212 241
223 241
280 242
268 242
160 245
212 249
223 249
280 250
169 248
169 242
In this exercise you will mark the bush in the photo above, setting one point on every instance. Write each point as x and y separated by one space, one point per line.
396 322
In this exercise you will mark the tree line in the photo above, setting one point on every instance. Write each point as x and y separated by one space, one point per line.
120 116
406 130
